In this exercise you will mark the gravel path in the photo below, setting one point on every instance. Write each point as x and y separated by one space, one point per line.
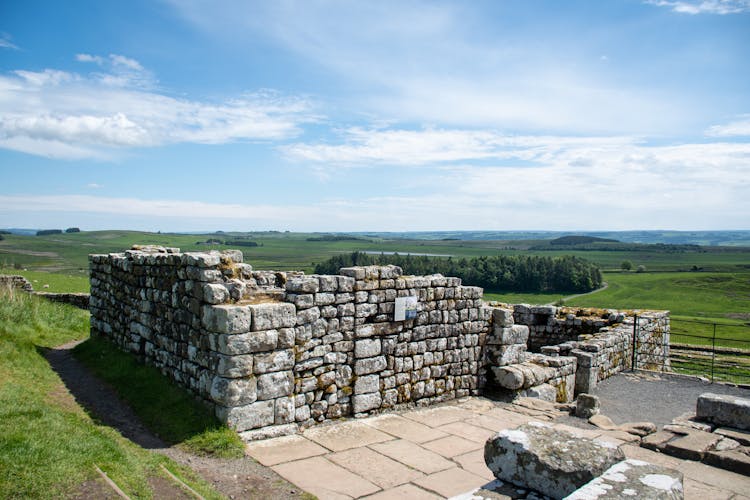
235 478
638 397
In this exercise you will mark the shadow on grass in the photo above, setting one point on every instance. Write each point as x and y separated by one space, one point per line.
137 400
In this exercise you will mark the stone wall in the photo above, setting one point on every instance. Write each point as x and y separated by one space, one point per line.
80 300
16 282
276 350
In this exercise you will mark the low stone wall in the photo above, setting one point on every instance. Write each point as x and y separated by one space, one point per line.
16 282
276 350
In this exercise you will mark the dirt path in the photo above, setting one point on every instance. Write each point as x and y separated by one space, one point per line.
235 478
604 286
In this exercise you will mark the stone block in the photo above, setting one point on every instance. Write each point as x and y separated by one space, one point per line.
502 318
742 437
235 366
358 273
720 409
247 343
274 361
233 391
366 366
692 446
367 348
367 384
587 405
274 315
252 416
514 334
275 385
733 460
365 402
633 479
509 377
284 411
226 318
303 284
552 461
215 293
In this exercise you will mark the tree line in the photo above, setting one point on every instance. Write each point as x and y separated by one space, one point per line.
505 273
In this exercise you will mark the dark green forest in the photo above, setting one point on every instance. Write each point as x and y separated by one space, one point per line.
521 273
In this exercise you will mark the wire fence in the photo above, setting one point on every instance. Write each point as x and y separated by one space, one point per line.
717 351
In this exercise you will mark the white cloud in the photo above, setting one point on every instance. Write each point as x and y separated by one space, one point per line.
5 42
739 127
60 114
94 185
722 7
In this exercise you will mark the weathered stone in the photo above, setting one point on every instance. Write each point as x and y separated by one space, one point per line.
369 365
304 284
692 446
508 335
367 384
603 422
544 392
227 318
274 385
274 361
284 411
367 348
215 293
364 402
552 461
509 377
233 391
502 317
235 366
274 315
733 460
252 416
720 409
638 428
246 343
633 479
743 437
587 405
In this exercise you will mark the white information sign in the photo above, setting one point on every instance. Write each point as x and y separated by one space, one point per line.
406 308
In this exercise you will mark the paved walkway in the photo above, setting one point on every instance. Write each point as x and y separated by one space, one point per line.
437 453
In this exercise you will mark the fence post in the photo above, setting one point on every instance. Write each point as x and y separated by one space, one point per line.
634 357
713 353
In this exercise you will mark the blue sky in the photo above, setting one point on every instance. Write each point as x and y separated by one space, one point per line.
392 115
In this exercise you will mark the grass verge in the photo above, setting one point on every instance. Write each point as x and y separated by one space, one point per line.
166 409
48 444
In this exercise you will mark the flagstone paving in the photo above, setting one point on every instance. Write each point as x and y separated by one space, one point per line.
438 452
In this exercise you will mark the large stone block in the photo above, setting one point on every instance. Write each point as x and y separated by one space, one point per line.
369 365
551 461
505 335
365 402
367 384
502 318
274 315
227 318
367 348
235 366
215 293
275 385
247 343
633 479
252 416
233 391
724 410
274 361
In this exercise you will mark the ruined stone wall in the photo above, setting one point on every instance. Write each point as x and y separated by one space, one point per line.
275 350
15 281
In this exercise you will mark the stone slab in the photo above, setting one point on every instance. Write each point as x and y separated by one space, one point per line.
452 446
435 417
283 449
413 455
450 482
324 479
732 460
658 440
742 437
692 446
633 478
467 431
714 476
730 411
474 463
552 461
404 491
378 469
345 435
405 428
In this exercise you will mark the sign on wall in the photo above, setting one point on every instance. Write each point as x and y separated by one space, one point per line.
406 308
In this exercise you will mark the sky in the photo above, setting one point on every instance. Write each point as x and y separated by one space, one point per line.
404 115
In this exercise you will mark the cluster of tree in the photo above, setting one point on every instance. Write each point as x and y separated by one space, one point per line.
517 273
335 237
210 241
601 244
46 232
242 243
73 230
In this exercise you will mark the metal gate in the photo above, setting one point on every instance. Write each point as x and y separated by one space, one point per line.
719 352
